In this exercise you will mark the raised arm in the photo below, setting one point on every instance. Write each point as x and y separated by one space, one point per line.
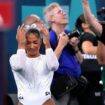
51 57
74 42
90 19
63 40
17 61
20 37
45 34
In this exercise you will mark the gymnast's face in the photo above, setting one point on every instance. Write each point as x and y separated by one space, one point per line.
32 45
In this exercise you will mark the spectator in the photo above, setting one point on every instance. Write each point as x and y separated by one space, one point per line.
90 68
88 41
98 29
70 58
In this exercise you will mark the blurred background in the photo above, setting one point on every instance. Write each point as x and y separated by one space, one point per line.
12 13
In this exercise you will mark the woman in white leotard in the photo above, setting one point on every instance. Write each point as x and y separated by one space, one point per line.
33 72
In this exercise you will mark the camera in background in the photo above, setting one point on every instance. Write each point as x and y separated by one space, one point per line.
74 33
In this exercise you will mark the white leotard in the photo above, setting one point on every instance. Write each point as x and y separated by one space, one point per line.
33 76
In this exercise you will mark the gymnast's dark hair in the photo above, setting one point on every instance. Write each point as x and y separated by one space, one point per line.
35 31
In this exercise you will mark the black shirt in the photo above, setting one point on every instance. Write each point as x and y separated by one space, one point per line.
102 38
87 37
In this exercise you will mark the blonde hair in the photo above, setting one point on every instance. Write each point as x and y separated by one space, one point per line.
48 11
